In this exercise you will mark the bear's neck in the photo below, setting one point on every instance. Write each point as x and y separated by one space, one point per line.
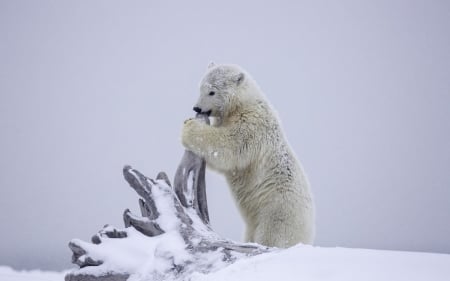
246 99
240 108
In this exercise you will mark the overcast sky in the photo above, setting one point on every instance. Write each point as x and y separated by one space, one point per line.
362 89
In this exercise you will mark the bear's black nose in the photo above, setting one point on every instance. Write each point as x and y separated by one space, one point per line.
197 109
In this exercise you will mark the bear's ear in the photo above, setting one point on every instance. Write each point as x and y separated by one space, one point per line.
239 78
211 64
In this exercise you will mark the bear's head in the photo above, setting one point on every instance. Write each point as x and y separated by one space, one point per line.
220 90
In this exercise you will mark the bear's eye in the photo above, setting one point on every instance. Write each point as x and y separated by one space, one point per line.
212 93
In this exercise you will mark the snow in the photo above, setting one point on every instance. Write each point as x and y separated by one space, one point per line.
8 274
314 263
137 253
297 263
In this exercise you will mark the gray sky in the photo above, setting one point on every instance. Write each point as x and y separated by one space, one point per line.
362 89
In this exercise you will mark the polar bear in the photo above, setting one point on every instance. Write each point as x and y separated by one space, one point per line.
247 145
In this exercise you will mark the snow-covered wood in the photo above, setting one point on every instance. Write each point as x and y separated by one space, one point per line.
172 238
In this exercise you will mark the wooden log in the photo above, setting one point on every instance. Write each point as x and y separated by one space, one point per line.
166 212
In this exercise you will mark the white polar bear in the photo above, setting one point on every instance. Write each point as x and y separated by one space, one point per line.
247 145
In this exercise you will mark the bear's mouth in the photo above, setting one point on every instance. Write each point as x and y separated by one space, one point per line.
200 111
207 113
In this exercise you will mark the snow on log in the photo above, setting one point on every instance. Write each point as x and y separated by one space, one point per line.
170 240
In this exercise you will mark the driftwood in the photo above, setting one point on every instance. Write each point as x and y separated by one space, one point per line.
176 238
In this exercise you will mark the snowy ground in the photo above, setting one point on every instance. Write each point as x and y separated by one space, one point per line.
308 263
314 263
8 274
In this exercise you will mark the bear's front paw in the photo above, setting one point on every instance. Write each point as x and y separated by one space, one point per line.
191 134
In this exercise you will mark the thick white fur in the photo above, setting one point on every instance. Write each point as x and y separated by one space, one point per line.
247 145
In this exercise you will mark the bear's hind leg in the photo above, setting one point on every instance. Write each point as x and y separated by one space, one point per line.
249 234
283 228
273 233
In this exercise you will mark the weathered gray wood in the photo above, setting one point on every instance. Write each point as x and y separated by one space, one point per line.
187 194
194 167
